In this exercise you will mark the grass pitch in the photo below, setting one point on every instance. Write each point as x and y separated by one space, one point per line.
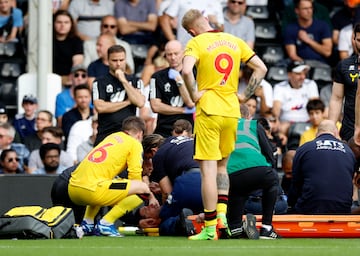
166 246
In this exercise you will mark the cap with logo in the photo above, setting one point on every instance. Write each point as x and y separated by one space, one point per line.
297 67
29 98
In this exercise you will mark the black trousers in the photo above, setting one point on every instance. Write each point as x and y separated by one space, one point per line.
242 183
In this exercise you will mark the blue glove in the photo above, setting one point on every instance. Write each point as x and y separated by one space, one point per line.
173 73
189 110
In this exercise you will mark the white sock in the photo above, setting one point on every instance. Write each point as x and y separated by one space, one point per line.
89 221
104 222
267 227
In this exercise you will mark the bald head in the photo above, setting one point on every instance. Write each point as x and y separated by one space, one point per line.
328 126
174 54
173 45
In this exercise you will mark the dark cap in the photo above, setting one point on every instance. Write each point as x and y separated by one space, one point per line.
77 68
29 98
297 67
3 110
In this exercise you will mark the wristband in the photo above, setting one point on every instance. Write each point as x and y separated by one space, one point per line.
179 83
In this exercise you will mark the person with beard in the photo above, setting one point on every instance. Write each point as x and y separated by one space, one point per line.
50 156
344 90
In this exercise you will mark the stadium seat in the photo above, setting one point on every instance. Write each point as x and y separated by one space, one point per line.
276 74
258 12
273 54
294 133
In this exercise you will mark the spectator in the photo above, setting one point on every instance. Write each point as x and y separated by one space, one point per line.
50 157
315 109
108 25
100 67
309 194
67 47
237 23
87 15
11 21
344 16
168 97
177 9
85 147
289 15
115 95
60 5
44 118
346 42
3 113
292 95
344 91
50 135
251 105
82 111
79 133
24 123
7 135
65 100
137 20
9 162
309 38
278 139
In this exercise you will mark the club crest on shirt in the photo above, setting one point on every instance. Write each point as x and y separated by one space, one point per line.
109 88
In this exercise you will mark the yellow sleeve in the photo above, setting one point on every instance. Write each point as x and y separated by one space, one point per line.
134 162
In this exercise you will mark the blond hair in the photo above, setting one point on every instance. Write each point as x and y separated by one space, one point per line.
190 17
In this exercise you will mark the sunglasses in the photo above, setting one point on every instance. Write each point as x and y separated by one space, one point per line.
82 75
236 2
10 160
109 26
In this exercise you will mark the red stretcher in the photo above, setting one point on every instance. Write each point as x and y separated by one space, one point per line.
309 226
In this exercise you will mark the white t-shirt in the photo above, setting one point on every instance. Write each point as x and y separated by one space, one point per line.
345 37
293 101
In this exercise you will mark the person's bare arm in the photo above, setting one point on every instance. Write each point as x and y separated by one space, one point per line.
336 101
158 107
259 72
291 52
276 109
128 27
324 48
102 106
166 188
134 95
165 24
189 79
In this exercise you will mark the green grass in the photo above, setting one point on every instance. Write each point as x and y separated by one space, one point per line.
173 246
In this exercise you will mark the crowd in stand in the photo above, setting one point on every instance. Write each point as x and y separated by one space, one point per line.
121 58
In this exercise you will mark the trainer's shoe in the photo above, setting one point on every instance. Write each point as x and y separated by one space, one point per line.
186 224
207 233
107 230
222 227
249 225
265 234
236 233
87 228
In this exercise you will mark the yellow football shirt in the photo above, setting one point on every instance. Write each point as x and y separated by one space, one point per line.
218 56
109 158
